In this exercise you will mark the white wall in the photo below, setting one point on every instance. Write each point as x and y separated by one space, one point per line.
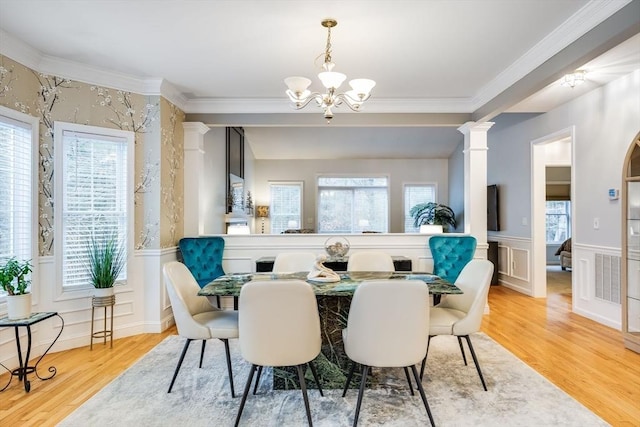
400 171
606 121
214 180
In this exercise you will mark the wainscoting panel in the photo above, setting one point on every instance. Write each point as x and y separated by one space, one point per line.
514 262
504 260
520 264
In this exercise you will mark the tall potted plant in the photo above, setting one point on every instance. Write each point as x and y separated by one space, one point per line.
14 280
106 259
433 214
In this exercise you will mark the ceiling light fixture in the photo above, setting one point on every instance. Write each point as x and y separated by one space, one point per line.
300 96
574 79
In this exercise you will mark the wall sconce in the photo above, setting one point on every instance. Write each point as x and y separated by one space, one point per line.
262 212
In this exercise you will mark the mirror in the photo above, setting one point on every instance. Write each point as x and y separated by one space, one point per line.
235 200
235 169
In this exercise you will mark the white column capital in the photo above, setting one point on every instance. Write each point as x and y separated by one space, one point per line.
469 127
194 136
195 127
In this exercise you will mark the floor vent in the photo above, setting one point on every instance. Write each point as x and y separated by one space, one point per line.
608 277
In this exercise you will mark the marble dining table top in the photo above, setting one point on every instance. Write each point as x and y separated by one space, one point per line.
231 284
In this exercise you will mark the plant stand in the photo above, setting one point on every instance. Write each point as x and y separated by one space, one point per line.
106 302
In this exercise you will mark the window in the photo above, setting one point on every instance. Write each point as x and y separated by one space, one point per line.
353 204
558 221
413 195
18 191
94 195
286 206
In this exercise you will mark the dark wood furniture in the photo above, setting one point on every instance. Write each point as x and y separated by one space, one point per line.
265 264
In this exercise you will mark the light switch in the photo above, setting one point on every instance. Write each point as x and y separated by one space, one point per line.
524 220
596 223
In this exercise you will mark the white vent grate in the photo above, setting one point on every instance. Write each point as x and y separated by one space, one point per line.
608 277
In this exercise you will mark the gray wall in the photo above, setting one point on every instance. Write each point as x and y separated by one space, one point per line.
606 120
400 171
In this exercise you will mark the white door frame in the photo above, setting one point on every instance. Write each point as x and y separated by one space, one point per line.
538 207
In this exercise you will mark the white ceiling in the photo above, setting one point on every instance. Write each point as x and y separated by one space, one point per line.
231 56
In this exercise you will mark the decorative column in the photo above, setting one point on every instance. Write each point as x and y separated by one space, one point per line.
193 177
475 181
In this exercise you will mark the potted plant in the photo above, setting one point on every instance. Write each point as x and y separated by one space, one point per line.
14 281
433 214
105 261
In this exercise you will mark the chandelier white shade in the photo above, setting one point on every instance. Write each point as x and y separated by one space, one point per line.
300 95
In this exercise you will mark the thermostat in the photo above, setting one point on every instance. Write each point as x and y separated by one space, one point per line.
614 194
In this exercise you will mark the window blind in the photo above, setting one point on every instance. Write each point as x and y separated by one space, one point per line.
286 206
353 204
16 189
94 199
413 195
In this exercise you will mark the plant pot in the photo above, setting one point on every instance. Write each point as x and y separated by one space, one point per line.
19 306
431 229
103 292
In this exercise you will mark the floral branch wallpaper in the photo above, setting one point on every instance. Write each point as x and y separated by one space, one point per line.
159 142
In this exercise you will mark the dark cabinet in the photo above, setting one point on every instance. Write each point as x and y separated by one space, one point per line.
492 255
265 264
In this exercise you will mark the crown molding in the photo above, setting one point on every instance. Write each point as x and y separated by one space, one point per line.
19 51
32 58
592 14
281 105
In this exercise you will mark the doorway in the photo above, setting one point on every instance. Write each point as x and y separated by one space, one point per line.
555 150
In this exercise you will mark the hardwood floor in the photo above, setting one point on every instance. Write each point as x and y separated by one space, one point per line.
584 358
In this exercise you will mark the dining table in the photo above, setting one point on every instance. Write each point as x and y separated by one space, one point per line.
334 300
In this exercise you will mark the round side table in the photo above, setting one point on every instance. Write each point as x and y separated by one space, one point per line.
106 302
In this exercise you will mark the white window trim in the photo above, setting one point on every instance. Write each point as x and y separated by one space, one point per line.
352 175
62 293
34 122
411 183
301 185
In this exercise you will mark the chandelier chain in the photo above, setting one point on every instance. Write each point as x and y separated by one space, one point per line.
327 51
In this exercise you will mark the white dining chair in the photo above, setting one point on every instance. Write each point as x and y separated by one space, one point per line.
279 326
461 315
370 261
292 262
196 318
395 340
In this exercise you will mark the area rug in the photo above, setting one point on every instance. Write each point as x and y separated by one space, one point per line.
517 395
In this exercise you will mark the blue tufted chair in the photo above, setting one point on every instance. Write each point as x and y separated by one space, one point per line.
450 254
203 257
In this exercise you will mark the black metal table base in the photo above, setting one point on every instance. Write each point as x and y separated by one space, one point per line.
23 371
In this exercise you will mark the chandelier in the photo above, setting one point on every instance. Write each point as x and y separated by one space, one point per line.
574 79
300 96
